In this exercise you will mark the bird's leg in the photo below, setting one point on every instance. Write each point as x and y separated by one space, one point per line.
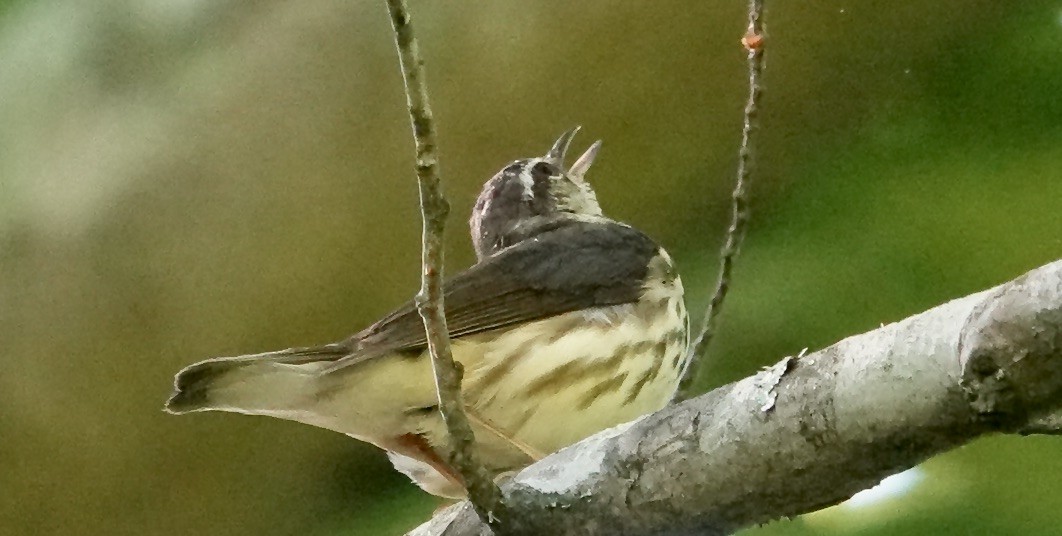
530 451
417 447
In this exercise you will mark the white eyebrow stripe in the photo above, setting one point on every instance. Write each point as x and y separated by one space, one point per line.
525 178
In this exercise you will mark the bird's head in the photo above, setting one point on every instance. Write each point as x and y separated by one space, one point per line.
532 188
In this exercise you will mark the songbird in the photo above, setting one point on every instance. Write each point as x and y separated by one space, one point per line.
568 324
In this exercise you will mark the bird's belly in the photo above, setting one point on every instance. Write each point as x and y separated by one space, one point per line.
551 383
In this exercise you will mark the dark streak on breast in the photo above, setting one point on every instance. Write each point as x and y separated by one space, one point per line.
547 381
600 389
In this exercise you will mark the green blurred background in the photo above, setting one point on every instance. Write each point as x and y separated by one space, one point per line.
184 179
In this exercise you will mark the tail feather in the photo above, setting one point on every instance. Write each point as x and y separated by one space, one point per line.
274 383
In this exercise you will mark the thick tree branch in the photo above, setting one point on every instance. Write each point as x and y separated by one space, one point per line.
434 210
810 431
739 216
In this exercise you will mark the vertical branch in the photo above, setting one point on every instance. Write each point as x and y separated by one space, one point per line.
739 218
482 491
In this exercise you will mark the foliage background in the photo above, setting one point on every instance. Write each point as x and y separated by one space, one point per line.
183 179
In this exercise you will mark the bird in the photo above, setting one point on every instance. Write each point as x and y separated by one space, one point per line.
567 324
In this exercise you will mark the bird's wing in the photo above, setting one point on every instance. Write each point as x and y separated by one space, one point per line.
567 267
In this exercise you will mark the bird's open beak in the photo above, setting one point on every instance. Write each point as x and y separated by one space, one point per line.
582 164
560 147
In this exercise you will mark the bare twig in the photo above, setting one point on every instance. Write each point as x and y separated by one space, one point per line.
739 218
482 491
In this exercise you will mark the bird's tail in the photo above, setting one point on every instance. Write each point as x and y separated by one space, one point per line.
274 383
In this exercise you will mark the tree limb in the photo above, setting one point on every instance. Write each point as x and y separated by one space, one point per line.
739 217
810 431
482 490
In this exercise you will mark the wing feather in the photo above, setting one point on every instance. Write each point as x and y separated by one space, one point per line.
568 267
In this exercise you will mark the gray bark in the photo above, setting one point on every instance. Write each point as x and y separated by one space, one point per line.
810 431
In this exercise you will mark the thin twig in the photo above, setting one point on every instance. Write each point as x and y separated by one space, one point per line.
482 491
739 217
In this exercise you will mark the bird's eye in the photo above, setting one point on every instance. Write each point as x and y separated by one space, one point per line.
542 168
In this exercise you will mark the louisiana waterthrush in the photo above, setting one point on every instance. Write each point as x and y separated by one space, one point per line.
569 323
